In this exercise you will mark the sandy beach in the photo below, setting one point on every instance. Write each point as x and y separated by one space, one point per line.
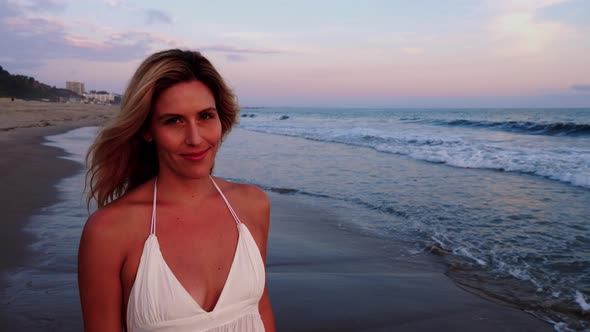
321 276
29 170
20 114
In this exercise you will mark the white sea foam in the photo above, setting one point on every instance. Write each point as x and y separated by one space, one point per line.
74 142
438 241
561 163
522 273
462 251
561 327
581 300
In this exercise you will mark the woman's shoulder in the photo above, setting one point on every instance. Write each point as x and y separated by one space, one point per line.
244 193
251 201
120 219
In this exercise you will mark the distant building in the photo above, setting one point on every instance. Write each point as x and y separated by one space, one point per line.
77 87
102 97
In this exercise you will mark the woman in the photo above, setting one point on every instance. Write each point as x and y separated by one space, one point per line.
166 251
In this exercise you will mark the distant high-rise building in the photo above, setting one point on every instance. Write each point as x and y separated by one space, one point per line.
77 87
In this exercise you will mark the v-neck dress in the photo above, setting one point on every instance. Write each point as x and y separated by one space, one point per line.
159 302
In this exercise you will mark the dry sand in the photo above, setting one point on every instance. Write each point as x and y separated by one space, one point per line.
20 114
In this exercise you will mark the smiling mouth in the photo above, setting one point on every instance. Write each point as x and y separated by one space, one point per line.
195 156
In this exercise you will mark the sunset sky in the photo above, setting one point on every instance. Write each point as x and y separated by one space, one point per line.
496 53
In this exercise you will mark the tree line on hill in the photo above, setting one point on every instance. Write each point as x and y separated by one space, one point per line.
24 87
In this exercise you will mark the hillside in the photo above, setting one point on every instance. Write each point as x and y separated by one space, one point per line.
24 87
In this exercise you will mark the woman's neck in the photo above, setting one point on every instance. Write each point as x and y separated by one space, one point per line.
183 190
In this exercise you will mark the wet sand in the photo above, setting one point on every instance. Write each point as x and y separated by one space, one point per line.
321 277
29 171
325 278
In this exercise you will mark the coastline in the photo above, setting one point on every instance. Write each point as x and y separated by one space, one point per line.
29 172
321 277
325 278
25 160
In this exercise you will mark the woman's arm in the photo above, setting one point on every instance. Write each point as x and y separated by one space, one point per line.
266 313
263 211
255 206
100 259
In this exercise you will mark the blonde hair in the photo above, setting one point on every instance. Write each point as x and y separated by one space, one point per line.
120 159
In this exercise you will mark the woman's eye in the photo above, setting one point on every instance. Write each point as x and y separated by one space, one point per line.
173 120
206 116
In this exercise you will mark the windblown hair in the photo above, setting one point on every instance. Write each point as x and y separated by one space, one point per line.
120 159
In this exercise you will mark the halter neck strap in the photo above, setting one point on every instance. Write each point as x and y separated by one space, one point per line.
229 207
153 227
233 213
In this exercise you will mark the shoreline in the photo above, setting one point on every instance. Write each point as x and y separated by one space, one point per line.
29 171
331 279
25 157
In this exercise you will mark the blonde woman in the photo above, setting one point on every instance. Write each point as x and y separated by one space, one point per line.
172 248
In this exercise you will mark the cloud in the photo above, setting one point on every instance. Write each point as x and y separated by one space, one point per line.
154 16
237 50
7 10
517 30
26 39
113 3
235 57
249 35
412 50
581 87
526 5
38 5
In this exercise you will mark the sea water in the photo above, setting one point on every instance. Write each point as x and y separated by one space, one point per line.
503 194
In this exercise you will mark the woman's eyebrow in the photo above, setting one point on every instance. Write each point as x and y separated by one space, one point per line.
208 109
165 115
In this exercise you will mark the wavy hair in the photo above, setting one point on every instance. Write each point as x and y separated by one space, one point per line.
120 159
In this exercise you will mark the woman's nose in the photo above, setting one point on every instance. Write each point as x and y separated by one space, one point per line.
193 134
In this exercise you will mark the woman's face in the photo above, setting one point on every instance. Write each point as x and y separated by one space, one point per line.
186 129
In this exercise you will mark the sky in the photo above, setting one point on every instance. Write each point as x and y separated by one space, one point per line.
421 53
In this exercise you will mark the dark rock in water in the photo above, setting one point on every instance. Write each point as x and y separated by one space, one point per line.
248 115
436 249
252 115
284 117
283 190
244 115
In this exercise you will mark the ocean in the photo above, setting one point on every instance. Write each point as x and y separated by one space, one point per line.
502 195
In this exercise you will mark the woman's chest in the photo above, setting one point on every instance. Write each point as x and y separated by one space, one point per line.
200 258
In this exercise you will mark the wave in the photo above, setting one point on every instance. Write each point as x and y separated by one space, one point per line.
527 127
564 165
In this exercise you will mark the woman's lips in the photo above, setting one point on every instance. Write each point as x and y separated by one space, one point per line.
195 156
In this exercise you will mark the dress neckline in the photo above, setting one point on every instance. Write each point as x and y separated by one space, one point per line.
185 291
174 277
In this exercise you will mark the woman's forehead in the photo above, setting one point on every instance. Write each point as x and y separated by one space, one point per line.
185 96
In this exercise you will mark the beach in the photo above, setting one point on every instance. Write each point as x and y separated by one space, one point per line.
325 272
322 277
30 171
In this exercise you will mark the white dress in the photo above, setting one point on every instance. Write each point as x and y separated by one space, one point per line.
159 302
